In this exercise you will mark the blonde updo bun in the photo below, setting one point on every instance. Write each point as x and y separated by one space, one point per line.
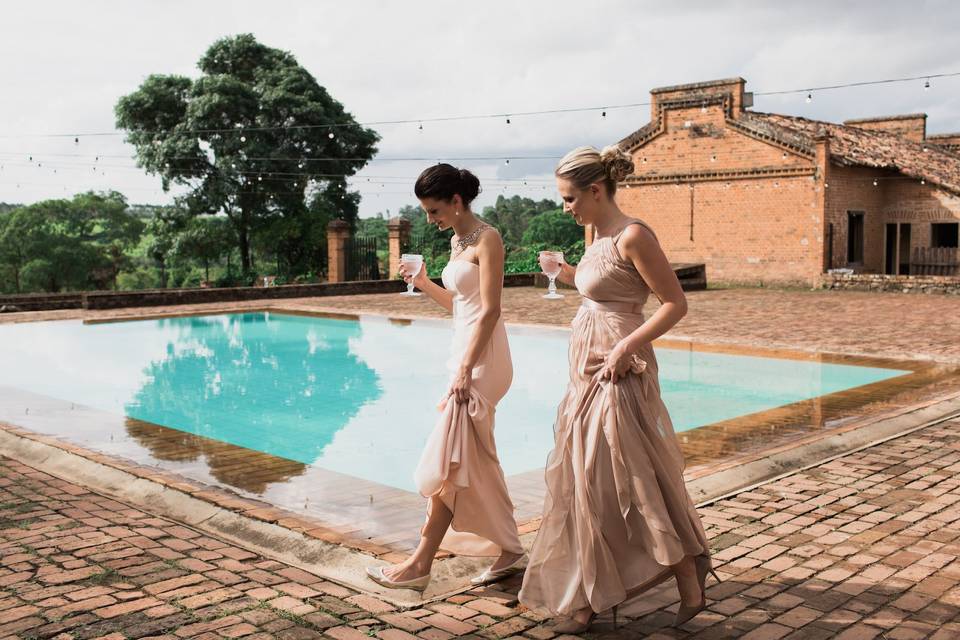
585 166
617 163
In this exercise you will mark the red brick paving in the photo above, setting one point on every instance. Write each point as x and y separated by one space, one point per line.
862 547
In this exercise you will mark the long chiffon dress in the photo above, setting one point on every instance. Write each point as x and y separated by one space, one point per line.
617 512
459 463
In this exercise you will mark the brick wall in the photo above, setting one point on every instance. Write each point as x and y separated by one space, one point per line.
912 126
893 200
744 230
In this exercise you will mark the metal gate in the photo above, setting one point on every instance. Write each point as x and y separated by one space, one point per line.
363 263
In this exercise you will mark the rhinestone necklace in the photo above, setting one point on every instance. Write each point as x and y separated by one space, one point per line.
469 239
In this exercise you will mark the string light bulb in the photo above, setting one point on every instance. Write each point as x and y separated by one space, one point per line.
76 140
508 120
603 114
243 138
809 97
923 181
507 161
875 183
926 84
420 127
330 135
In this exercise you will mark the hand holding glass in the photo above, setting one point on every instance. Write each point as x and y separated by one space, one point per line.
551 262
412 263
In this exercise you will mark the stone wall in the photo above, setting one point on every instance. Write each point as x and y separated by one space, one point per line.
40 301
692 277
900 284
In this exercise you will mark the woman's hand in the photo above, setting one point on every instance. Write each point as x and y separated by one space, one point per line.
616 364
418 280
567 272
460 389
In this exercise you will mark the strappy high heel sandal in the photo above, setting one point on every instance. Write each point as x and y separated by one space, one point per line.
685 612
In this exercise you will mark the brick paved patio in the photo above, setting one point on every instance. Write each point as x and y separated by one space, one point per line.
863 547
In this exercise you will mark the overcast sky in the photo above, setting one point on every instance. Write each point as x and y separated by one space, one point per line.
65 64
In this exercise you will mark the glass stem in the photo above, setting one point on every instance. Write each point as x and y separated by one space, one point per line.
553 285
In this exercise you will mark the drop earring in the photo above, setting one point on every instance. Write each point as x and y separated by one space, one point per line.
458 212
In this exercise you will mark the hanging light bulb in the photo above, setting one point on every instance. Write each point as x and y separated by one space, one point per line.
508 120
330 135
923 181
703 107
300 165
259 178
926 84
421 126
875 182
507 161
809 98
603 114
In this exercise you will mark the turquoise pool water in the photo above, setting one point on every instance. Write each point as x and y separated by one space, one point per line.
358 396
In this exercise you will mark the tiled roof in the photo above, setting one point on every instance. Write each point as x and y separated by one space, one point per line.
866 148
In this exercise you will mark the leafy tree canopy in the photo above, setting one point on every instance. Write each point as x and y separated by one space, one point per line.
250 138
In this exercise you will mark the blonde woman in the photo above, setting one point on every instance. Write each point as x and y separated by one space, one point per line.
469 510
617 519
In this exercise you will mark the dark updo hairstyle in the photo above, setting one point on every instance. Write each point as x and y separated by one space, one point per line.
443 181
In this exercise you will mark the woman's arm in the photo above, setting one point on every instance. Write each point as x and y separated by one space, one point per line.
439 294
567 273
639 245
490 255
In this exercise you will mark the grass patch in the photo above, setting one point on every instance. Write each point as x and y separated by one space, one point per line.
7 523
104 576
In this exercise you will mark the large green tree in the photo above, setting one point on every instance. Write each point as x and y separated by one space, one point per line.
512 215
249 138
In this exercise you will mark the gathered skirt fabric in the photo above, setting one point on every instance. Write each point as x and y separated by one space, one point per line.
617 513
459 464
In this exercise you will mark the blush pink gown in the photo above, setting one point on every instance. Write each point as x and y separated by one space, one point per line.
617 512
459 463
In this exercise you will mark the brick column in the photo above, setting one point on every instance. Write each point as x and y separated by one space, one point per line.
821 203
398 230
588 234
338 233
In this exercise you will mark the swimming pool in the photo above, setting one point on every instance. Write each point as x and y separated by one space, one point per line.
358 396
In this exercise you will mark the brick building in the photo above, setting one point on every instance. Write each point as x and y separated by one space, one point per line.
762 197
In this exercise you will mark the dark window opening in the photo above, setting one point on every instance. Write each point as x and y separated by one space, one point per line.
944 234
855 237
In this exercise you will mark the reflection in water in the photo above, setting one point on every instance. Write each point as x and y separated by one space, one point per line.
283 388
234 466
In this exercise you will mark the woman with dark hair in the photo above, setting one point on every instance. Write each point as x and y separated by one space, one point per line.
617 519
469 511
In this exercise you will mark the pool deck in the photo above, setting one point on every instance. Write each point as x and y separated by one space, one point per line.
861 328
864 547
